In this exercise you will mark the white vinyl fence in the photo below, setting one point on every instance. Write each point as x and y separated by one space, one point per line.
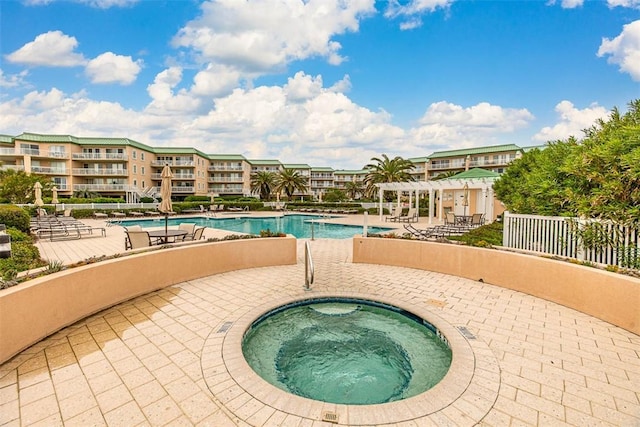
585 240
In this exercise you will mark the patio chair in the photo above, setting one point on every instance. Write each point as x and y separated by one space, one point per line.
136 239
189 227
477 220
197 235
397 213
136 213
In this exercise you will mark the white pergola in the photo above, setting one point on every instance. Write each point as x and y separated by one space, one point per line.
482 183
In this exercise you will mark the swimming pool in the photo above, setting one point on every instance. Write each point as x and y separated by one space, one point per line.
300 226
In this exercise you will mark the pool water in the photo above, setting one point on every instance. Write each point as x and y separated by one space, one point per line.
346 351
300 226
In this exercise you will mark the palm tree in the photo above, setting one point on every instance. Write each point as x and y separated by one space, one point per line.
353 189
262 183
445 175
386 170
290 181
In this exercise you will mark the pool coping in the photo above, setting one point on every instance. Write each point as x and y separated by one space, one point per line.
468 391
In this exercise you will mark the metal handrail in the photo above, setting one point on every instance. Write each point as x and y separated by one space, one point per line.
309 270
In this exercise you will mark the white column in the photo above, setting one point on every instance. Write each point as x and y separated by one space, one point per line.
430 205
380 207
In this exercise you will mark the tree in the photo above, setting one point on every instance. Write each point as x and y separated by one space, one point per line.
353 189
289 181
17 186
262 183
386 170
334 195
596 177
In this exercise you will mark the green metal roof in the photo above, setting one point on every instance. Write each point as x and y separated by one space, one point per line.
533 147
474 151
35 137
226 157
351 172
322 169
6 139
296 166
265 162
475 173
179 150
418 159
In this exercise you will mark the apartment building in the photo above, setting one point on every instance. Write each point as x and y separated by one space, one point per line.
121 167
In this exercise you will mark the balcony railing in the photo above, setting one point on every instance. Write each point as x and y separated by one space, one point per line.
161 163
224 168
48 170
12 167
450 165
175 176
33 152
226 188
183 189
225 179
101 187
99 156
100 171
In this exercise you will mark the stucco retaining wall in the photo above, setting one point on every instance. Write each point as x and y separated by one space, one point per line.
35 309
612 297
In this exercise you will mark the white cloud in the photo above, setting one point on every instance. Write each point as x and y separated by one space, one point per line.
52 49
111 68
263 35
624 50
624 3
447 123
13 80
410 12
161 91
215 80
572 122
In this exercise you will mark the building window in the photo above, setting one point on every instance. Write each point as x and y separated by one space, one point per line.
142 170
135 183
133 154
142 156
135 169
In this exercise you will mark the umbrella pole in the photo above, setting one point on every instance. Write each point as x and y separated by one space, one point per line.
166 222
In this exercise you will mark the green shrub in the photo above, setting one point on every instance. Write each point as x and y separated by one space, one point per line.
147 199
485 236
24 256
197 199
13 216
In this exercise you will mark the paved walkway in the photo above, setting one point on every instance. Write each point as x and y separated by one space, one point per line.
142 362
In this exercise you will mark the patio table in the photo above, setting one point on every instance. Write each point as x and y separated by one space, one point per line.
167 236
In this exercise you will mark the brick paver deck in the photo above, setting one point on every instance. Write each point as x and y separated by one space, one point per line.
141 362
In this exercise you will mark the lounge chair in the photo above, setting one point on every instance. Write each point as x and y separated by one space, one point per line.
100 215
136 239
411 216
5 245
397 213
136 213
118 214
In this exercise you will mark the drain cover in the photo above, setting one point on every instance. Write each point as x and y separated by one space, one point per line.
330 417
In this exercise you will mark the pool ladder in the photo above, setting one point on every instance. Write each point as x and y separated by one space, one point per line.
309 270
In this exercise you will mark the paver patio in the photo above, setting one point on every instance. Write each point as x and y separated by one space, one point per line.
141 362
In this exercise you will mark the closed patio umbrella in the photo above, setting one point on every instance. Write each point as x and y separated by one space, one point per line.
165 192
37 192
54 197
465 197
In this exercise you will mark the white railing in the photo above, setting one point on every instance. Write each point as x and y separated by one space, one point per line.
566 237
99 171
99 156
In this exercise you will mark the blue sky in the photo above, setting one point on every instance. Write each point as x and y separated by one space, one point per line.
328 83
